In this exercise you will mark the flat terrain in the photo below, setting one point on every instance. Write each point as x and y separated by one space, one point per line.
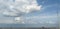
29 28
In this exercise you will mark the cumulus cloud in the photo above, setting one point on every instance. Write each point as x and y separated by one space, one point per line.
15 7
19 20
18 8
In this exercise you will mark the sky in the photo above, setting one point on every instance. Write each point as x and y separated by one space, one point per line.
29 11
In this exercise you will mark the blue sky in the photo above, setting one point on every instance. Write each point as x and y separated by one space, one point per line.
47 14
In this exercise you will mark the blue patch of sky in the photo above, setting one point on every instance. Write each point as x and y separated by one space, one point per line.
49 7
47 2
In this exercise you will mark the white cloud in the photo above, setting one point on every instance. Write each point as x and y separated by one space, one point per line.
9 13
19 6
19 20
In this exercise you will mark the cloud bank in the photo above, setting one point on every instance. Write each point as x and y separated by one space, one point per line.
18 7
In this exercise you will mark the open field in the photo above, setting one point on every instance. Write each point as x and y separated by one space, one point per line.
30 28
